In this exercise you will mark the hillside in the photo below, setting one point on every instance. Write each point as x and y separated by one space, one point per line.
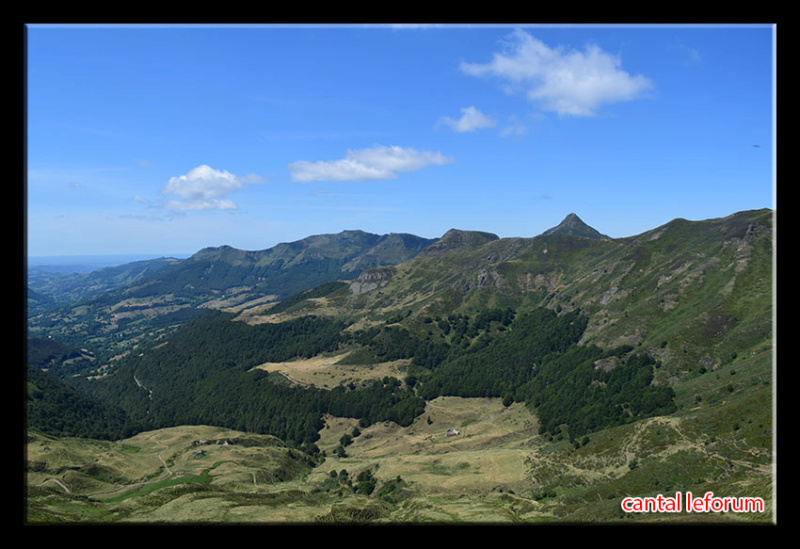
58 410
576 370
282 270
694 293
497 470
113 310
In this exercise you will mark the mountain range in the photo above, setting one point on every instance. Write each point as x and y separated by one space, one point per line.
590 333
711 278
169 289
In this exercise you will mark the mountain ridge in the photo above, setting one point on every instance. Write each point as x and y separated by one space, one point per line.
679 268
123 303
423 272
637 365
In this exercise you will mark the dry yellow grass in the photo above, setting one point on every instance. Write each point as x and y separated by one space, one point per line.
258 311
488 455
324 372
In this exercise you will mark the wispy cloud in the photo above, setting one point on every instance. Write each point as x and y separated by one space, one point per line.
514 128
691 56
568 82
378 162
471 120
204 188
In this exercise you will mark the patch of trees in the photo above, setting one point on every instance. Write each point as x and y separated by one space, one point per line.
364 483
205 375
61 360
500 365
456 331
393 343
43 351
383 344
382 400
569 389
58 410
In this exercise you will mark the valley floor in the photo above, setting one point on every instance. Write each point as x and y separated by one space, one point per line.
497 469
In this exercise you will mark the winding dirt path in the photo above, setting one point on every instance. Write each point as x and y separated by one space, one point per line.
64 486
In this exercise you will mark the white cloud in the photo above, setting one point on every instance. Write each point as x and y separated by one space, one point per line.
567 82
336 170
471 119
378 162
205 188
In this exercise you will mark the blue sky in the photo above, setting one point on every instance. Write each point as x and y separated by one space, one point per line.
167 139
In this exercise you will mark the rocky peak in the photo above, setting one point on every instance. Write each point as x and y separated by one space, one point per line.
572 225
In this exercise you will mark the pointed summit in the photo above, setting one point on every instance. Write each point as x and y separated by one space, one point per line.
574 226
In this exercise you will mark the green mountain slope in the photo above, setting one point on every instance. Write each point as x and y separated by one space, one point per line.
284 269
704 287
689 297
119 308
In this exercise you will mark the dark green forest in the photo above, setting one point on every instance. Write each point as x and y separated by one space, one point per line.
58 410
204 374
533 358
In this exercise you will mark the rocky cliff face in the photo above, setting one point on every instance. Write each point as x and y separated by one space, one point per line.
371 280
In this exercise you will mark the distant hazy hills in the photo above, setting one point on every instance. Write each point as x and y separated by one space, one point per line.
691 278
49 287
124 302
278 272
281 270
